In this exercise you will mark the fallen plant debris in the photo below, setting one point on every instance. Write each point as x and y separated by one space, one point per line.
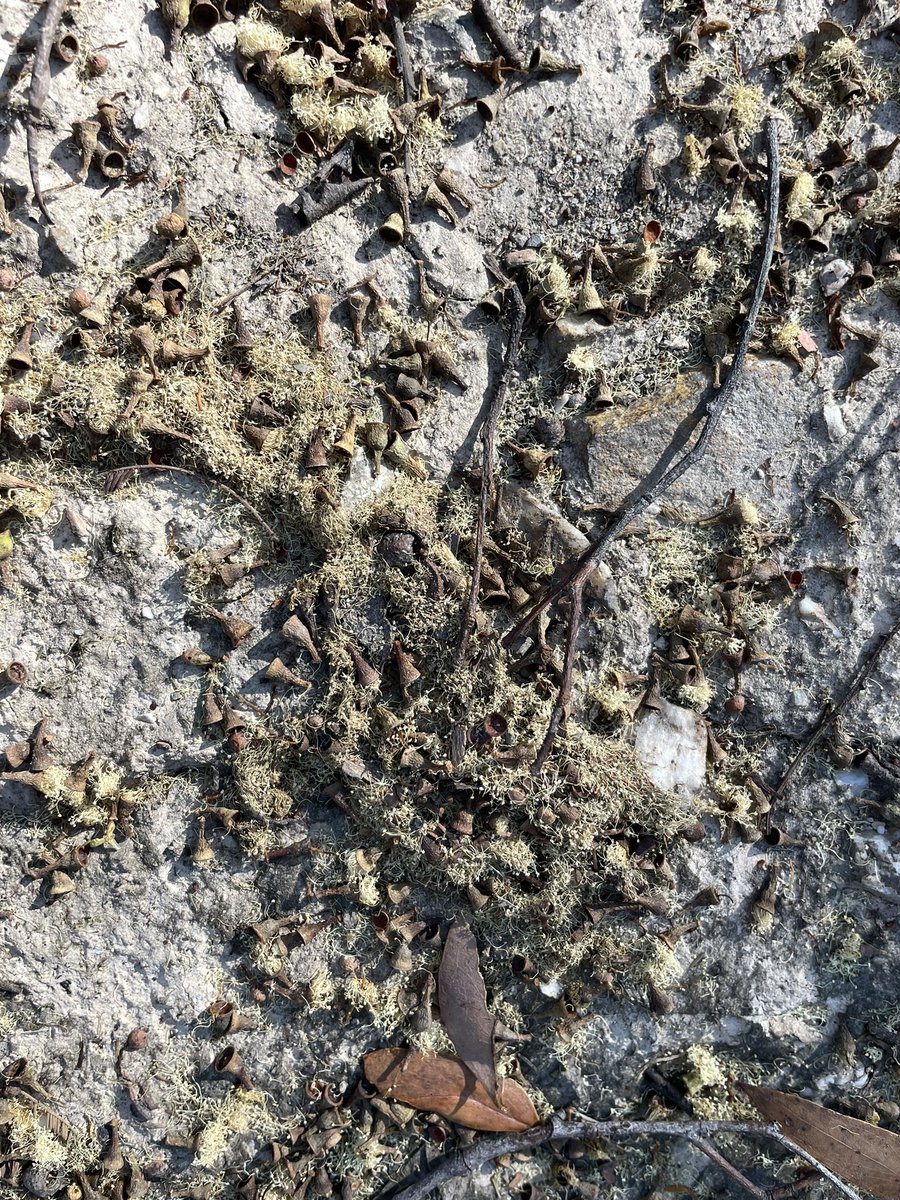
470 1159
863 1154
38 92
444 1085
831 714
463 1003
708 412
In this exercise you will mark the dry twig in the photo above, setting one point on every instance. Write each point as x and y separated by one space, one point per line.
488 439
471 1158
245 287
404 62
829 715
708 413
37 95
212 483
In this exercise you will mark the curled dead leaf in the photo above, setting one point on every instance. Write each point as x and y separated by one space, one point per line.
440 1084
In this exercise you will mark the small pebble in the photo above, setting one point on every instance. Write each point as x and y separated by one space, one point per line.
834 275
834 422
141 117
857 781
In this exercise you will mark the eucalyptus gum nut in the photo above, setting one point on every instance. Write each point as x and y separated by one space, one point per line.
393 229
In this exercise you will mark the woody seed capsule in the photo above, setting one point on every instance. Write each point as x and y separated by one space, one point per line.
320 307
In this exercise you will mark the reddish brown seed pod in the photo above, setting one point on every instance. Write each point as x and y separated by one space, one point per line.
97 64
288 164
16 674
230 1063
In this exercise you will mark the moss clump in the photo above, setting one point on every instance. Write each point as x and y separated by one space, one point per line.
38 1135
740 222
704 1071
704 265
692 157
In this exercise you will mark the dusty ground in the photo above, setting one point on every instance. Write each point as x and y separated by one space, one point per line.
345 812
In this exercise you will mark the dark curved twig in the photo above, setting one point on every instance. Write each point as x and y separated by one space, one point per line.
830 715
488 439
212 483
708 412
471 1158
37 95
404 62
486 19
564 696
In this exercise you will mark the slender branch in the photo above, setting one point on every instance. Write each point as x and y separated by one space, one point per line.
488 439
471 1158
37 95
468 1161
814 1162
245 287
707 1148
564 695
709 413
404 62
830 715
212 483
486 19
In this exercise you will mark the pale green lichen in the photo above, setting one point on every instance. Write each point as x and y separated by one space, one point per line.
256 36
240 1112
746 110
704 265
801 196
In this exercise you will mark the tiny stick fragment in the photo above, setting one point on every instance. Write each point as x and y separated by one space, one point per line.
830 715
37 95
404 62
213 483
486 18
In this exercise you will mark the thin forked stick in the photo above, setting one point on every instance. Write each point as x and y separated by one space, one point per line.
561 707
709 413
488 439
37 95
727 1168
830 715
213 483
471 1158
245 287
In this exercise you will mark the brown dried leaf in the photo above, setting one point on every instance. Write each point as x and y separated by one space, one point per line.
861 1154
444 1085
463 1002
